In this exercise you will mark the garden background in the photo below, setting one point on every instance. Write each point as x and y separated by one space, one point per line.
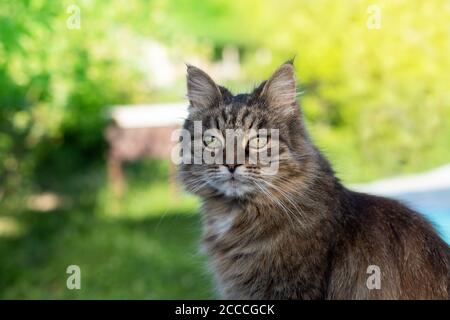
374 77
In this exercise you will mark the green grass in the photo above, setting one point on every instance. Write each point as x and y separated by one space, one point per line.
143 247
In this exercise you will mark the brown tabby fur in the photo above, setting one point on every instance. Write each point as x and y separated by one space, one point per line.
306 236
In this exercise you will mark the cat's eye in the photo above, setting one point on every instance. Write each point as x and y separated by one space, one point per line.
212 142
258 142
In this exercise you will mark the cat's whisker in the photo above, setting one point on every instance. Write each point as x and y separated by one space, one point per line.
286 196
275 201
291 214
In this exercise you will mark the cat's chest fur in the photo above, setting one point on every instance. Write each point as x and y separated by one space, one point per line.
255 256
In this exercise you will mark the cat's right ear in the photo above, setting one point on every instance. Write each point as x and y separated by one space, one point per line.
279 92
202 92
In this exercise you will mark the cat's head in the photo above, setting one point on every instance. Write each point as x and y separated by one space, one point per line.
269 148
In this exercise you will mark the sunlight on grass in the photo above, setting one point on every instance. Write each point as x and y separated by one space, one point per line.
10 227
148 194
144 201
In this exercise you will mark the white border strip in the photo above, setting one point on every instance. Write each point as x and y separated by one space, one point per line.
150 115
438 178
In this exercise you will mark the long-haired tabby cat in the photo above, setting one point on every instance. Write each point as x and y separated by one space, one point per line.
299 233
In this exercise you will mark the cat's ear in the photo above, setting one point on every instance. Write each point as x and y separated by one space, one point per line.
279 92
202 92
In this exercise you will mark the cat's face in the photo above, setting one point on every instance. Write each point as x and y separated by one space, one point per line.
245 144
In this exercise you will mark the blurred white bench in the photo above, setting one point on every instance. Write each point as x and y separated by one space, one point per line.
139 131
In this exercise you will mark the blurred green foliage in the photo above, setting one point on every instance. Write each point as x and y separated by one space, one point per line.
377 101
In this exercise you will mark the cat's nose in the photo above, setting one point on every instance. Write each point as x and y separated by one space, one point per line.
232 167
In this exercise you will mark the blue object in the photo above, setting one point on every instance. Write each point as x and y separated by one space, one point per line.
434 205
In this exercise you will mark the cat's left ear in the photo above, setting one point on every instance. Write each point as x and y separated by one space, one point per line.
202 91
279 92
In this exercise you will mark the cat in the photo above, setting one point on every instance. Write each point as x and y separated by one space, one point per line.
299 233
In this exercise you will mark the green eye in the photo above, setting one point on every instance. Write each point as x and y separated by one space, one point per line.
212 142
258 142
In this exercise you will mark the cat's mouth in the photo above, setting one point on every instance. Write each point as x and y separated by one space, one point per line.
234 179
233 186
232 182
